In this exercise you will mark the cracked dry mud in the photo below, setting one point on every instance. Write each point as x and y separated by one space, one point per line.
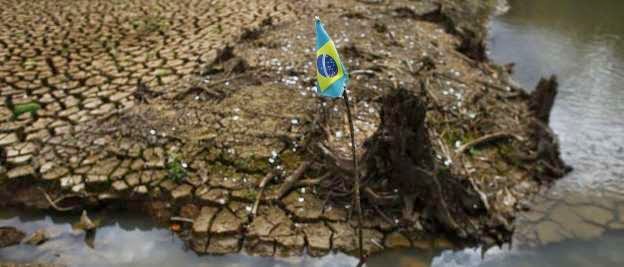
105 101
83 61
557 217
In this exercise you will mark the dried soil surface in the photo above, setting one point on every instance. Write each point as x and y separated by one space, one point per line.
182 108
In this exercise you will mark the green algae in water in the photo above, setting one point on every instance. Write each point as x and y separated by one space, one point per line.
31 107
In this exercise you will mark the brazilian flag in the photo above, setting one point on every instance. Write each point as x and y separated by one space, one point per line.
331 74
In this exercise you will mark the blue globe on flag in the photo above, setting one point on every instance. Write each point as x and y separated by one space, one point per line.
326 66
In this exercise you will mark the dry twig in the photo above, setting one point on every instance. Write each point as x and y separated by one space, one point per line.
486 138
54 203
262 185
290 181
181 219
311 182
356 72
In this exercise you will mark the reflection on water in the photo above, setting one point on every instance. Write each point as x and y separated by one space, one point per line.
579 221
603 252
128 241
569 254
581 41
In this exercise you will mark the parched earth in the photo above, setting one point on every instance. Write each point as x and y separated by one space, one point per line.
181 108
564 214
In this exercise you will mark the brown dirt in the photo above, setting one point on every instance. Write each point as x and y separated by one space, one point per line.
10 236
184 111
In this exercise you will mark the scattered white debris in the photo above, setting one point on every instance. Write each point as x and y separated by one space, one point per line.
248 208
290 80
339 134
300 199
152 132
184 165
458 144
294 121
79 187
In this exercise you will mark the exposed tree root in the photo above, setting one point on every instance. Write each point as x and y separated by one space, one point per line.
548 153
54 203
313 182
262 185
291 180
485 139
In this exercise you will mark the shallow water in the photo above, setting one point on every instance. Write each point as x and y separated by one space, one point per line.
130 241
127 240
581 41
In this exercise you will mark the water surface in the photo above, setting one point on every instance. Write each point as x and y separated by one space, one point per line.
583 43
580 41
127 239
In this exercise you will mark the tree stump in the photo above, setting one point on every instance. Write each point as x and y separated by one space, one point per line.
549 162
401 151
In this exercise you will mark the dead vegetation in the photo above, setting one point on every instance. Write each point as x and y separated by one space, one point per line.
446 145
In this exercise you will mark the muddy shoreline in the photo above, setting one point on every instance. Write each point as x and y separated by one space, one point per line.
190 135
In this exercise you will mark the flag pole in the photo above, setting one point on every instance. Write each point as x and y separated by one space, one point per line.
356 188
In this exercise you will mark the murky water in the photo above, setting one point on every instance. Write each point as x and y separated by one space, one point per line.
583 43
578 223
130 241
127 240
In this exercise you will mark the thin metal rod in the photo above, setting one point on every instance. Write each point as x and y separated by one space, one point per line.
356 188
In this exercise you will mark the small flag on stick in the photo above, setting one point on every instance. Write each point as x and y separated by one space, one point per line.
332 78
331 74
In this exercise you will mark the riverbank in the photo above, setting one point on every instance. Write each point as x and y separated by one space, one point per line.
194 119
